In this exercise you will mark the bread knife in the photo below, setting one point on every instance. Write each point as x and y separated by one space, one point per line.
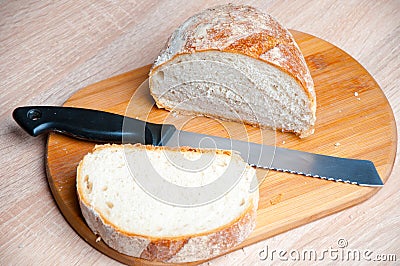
99 126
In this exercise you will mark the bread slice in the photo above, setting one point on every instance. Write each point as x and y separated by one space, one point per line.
236 63
132 221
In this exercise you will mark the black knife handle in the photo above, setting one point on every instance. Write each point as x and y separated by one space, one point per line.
92 125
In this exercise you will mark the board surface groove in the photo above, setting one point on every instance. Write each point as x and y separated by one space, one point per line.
363 125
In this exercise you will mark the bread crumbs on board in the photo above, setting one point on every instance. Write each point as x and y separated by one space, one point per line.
276 199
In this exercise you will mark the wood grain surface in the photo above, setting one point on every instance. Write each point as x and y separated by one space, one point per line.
51 50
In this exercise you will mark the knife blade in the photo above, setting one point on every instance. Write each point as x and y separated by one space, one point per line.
99 126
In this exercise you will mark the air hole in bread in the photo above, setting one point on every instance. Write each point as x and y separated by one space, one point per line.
160 75
89 185
242 202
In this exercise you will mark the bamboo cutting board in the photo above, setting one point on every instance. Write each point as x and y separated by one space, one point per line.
354 120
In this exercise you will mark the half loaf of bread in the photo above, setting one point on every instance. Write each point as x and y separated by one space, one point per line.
236 63
132 221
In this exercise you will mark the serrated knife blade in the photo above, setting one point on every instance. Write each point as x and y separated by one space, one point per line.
353 171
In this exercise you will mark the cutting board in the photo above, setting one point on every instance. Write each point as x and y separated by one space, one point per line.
354 120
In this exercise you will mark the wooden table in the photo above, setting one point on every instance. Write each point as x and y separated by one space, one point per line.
49 51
